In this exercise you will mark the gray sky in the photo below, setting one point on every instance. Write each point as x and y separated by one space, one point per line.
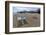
18 9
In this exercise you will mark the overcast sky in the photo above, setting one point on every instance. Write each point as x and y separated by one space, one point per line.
18 9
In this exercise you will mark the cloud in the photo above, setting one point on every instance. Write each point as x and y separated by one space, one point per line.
18 9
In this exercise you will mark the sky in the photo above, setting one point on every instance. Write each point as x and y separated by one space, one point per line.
18 9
